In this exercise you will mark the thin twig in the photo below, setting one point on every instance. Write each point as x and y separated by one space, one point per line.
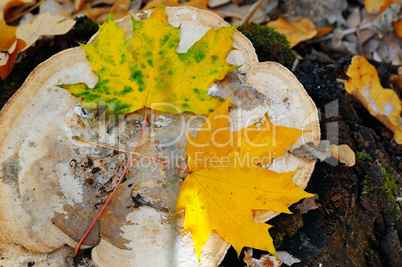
345 32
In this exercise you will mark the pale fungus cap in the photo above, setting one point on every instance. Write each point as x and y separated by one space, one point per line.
51 185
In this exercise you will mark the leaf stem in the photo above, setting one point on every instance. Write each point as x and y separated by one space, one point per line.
115 189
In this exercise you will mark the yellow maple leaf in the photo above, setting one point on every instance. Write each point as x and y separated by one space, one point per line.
226 183
295 32
201 4
152 74
384 104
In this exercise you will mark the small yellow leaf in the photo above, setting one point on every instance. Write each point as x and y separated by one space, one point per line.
296 32
384 104
225 186
44 24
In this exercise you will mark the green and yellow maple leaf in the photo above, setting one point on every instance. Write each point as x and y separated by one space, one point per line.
224 186
146 70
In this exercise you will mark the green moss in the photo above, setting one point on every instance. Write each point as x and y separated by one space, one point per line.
389 188
269 44
363 156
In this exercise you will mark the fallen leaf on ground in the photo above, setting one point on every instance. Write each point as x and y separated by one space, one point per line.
8 32
225 186
42 25
96 14
296 32
201 4
375 6
78 4
310 151
323 31
396 80
307 205
7 58
152 72
344 154
328 12
384 104
287 259
99 14
398 28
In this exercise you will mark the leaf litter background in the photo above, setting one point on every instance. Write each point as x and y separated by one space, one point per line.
332 228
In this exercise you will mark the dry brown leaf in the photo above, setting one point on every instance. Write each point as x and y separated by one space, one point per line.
201 4
344 154
44 24
13 8
99 14
396 80
319 12
296 32
384 104
310 151
307 205
392 51
95 14
78 4
375 6
286 258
